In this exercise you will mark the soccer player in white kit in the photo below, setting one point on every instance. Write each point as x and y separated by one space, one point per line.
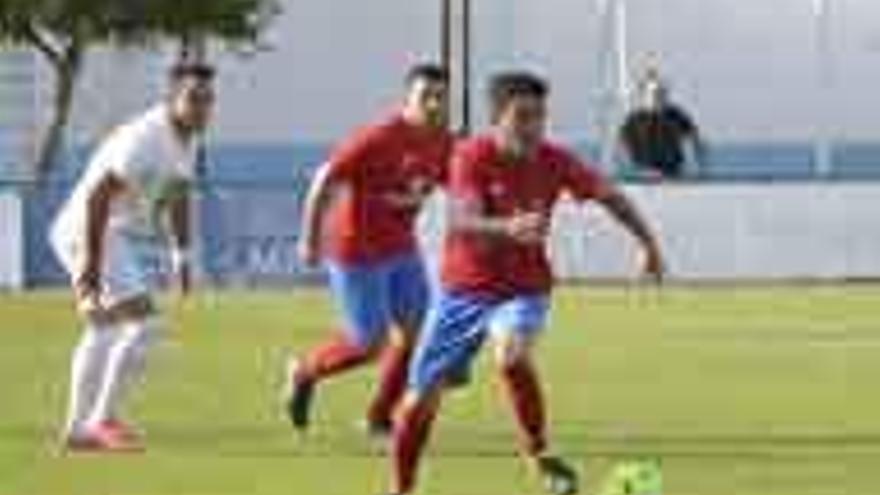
130 205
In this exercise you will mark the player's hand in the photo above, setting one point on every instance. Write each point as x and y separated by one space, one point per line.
653 265
308 251
184 279
527 227
405 201
181 263
412 197
88 287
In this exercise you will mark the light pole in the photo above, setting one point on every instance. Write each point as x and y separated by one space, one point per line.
456 31
824 65
613 74
446 43
466 39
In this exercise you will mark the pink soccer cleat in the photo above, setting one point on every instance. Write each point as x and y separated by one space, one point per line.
121 429
106 437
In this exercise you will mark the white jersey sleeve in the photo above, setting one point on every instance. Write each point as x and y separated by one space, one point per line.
152 162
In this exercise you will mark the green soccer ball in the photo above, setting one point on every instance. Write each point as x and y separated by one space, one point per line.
635 477
559 486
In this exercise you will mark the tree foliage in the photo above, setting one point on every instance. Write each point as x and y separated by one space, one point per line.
63 31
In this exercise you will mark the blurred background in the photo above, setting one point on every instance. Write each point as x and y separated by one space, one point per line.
782 91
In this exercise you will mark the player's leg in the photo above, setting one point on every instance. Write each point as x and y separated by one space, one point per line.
515 326
87 365
89 358
409 295
137 327
127 306
412 430
453 333
361 295
128 324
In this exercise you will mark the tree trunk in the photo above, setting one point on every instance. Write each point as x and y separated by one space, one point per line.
52 137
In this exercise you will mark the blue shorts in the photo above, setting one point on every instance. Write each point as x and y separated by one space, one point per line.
373 297
456 327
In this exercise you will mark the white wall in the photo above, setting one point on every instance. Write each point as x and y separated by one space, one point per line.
11 241
18 103
745 68
711 232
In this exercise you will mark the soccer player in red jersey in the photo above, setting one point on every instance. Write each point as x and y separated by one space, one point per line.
496 278
359 217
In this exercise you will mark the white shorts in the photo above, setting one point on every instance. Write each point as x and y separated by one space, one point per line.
131 268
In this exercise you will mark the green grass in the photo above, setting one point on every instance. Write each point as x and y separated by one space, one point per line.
762 391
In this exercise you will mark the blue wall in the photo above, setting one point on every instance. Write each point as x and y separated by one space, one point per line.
250 195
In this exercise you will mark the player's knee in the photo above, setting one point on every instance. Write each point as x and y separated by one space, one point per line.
417 397
368 340
370 347
402 337
138 337
144 333
413 399
511 352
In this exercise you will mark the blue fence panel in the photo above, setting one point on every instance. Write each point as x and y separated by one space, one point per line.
40 206
249 209
759 161
250 196
248 203
857 161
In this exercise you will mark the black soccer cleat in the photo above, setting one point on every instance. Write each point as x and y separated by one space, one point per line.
558 477
299 395
379 435
380 430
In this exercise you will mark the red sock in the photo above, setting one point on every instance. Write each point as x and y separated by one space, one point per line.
333 356
524 390
411 432
392 383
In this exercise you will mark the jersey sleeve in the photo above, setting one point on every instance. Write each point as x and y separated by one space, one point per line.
581 180
128 158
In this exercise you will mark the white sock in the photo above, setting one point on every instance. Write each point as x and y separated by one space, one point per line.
88 362
125 365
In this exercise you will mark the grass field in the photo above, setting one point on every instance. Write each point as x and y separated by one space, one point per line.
760 391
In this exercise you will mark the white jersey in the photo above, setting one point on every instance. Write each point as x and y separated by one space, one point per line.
153 162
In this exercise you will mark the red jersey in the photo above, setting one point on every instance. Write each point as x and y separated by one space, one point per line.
379 167
497 265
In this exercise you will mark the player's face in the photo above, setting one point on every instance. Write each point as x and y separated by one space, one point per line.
192 102
522 122
426 102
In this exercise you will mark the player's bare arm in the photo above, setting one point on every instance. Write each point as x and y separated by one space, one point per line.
88 282
625 212
413 197
318 199
180 221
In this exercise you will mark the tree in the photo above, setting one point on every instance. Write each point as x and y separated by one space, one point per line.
62 32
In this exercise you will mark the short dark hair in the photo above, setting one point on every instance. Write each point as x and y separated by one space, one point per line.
428 71
505 86
198 70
